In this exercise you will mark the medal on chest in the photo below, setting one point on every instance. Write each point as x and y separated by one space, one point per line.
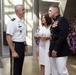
55 24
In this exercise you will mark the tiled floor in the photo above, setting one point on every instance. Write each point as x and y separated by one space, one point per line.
31 67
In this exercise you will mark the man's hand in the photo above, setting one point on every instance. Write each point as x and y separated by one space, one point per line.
54 53
26 49
15 54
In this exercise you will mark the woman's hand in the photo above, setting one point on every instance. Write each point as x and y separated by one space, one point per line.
43 38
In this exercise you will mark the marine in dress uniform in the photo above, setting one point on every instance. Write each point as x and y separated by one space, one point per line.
16 38
59 48
59 30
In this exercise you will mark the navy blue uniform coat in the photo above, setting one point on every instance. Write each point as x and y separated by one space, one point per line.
59 30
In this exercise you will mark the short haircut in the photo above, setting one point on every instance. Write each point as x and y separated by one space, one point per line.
17 7
50 7
57 8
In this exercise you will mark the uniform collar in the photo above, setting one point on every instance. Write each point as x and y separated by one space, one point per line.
56 18
18 19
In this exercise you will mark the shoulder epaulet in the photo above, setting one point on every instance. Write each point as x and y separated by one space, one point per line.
12 19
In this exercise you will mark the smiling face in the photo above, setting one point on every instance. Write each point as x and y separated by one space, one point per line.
43 20
20 10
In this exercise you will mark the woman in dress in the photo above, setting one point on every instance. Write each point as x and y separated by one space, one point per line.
44 36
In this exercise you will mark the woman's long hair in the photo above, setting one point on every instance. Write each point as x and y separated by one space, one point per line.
47 18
